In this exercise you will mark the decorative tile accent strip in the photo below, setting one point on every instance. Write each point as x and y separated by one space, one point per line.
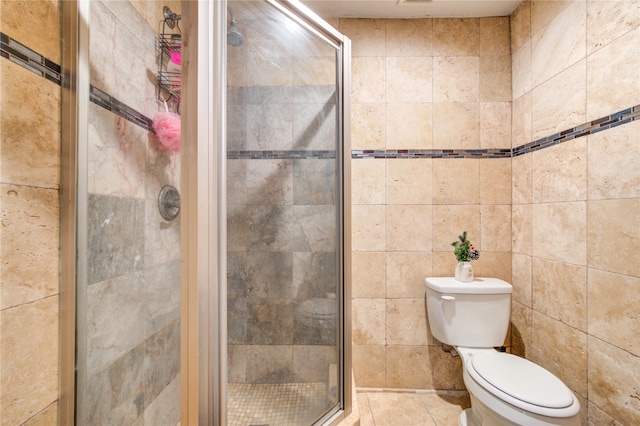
279 155
34 62
110 103
27 58
431 153
616 119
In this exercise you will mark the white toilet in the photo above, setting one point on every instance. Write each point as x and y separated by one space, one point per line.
505 389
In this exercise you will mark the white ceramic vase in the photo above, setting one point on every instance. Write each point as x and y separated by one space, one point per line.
464 272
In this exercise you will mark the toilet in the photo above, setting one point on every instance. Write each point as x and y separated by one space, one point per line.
505 389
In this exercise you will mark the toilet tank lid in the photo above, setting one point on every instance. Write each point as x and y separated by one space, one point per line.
477 286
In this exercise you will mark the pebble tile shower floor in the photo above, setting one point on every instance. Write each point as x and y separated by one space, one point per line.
279 404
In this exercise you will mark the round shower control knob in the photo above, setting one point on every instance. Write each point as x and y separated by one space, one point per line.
169 202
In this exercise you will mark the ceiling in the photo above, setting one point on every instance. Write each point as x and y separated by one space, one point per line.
411 8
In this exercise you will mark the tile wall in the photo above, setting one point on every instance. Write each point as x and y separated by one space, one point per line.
126 172
407 211
281 197
576 205
429 86
559 219
29 182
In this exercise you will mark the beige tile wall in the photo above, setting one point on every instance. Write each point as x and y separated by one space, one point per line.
576 206
423 84
600 283
29 182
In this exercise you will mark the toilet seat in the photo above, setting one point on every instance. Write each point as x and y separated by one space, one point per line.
320 309
522 383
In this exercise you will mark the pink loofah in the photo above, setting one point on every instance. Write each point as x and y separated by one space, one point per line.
166 125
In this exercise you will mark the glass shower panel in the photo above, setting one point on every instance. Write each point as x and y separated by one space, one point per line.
128 278
283 260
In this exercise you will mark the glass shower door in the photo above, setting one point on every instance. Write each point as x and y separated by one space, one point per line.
284 222
128 268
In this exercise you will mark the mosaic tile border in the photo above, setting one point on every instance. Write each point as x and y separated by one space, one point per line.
21 55
31 60
110 103
616 119
279 155
431 153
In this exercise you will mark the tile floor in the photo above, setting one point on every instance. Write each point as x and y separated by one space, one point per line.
278 404
404 409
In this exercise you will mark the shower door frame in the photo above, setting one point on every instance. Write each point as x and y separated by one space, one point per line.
306 18
75 101
203 273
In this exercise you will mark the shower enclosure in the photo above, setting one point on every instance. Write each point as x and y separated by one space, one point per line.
237 310
285 270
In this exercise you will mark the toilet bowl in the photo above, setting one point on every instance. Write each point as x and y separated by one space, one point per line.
509 390
505 389
318 313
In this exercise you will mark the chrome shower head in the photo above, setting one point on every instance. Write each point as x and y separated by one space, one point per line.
234 38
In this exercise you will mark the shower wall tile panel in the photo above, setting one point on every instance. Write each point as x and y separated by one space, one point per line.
162 362
322 332
116 237
121 50
269 364
117 155
270 321
313 275
115 395
270 274
270 228
116 319
314 181
120 393
236 323
270 127
269 182
166 407
314 228
314 126
306 371
161 295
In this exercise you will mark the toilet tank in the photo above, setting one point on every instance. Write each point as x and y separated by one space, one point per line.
474 314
